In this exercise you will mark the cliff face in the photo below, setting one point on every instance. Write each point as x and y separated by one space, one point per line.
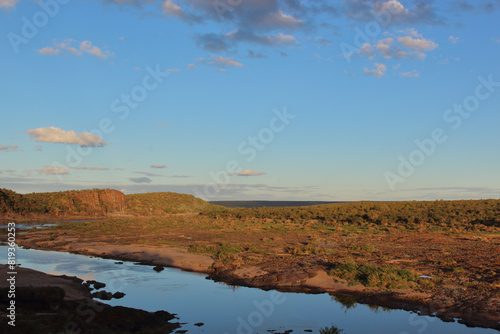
93 203
96 202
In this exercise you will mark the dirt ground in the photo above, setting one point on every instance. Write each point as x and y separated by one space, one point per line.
449 273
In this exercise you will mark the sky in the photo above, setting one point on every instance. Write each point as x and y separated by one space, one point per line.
252 100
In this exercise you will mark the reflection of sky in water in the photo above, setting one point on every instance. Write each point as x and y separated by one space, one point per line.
196 299
21 226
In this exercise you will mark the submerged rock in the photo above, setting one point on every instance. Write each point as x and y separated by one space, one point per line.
118 295
104 295
97 285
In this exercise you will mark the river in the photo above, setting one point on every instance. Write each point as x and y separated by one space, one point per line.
227 309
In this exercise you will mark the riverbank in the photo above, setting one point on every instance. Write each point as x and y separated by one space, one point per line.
60 304
459 283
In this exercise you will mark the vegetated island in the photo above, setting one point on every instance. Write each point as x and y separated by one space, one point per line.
439 258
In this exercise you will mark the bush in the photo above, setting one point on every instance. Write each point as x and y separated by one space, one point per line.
331 330
373 276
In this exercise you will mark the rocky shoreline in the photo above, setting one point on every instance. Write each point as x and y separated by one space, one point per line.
60 304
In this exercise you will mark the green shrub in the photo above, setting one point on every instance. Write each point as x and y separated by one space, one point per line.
373 276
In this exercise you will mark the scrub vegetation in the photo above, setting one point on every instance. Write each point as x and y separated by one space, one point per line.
439 250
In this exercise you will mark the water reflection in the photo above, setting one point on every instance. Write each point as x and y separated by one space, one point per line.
347 302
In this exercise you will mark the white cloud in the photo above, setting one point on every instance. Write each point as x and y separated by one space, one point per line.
378 71
384 47
75 48
51 170
412 32
398 14
158 166
217 61
392 6
281 39
367 50
86 46
391 47
9 148
57 135
91 168
170 8
48 50
453 39
279 19
411 74
8 3
412 55
227 61
419 44
247 172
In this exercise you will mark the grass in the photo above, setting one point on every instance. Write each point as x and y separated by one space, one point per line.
222 252
331 330
365 248
164 202
201 249
373 276
304 250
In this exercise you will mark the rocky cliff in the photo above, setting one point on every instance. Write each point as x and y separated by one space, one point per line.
94 203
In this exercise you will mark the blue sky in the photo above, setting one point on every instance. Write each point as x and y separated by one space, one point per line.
265 99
